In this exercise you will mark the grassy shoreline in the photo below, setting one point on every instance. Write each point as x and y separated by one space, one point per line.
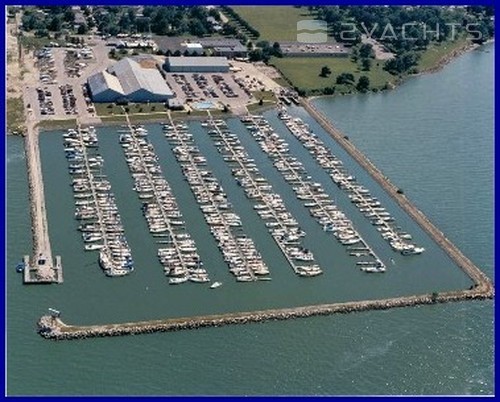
301 72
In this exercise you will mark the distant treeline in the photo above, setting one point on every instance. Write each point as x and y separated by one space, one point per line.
405 30
112 20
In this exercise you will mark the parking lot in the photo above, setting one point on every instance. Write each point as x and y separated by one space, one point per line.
62 75
219 88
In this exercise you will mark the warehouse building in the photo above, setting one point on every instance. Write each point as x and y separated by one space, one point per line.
229 48
197 65
128 80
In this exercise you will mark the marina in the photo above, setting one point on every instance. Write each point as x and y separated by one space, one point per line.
311 193
179 258
426 136
281 224
100 222
239 251
358 194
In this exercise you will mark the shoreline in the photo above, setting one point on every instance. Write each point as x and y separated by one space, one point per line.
443 62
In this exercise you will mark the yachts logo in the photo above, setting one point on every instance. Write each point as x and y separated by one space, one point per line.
312 31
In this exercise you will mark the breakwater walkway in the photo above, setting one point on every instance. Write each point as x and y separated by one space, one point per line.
40 268
481 281
52 327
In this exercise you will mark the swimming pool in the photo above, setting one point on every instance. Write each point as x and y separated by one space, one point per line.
204 105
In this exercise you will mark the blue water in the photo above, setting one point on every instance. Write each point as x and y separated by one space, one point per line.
432 136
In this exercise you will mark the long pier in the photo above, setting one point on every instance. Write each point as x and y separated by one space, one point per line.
40 268
481 281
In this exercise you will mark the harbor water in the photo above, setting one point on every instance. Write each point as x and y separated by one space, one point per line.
431 137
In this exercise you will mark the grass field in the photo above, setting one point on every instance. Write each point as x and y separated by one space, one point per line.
34 43
15 115
110 109
57 124
274 23
431 57
266 96
303 72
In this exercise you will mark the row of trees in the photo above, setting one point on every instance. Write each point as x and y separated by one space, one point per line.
242 22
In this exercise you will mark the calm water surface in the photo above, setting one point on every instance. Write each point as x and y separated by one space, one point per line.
433 137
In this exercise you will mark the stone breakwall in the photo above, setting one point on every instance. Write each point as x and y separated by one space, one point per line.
475 274
30 151
54 328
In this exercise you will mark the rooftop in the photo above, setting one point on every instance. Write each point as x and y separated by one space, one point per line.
198 61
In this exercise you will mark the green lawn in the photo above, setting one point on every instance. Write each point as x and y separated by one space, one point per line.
266 96
303 72
34 43
431 57
274 23
110 109
57 124
15 115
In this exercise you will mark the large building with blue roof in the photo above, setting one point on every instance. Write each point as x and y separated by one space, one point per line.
128 80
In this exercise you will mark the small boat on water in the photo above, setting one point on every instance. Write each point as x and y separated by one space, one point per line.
215 285
20 267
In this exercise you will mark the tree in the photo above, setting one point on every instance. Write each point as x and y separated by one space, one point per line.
55 23
82 29
277 50
325 71
363 84
345 78
329 90
367 64
365 50
213 12
197 28
256 55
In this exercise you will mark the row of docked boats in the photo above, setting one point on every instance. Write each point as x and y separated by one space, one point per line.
96 210
179 257
312 194
368 205
238 250
281 224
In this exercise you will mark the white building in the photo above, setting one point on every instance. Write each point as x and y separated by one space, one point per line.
127 79
197 65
